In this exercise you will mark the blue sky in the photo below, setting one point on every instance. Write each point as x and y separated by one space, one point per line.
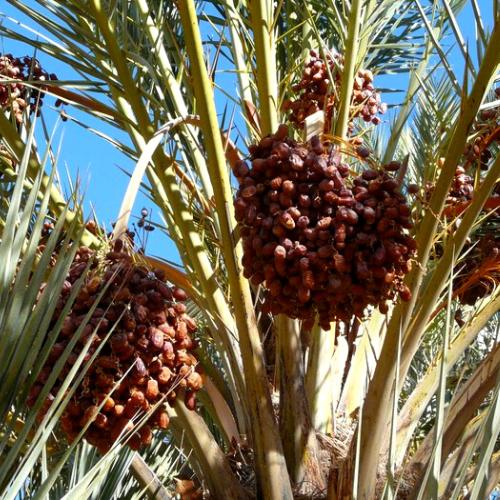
99 164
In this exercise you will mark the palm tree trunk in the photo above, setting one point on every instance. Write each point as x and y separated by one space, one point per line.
297 432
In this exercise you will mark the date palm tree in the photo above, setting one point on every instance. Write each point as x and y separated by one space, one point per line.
397 404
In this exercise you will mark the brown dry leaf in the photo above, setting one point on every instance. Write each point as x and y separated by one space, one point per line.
72 97
188 490
252 116
232 152
492 203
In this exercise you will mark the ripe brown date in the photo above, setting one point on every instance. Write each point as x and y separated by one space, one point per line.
337 242
149 349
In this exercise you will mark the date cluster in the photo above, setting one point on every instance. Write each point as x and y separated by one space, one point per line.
320 238
145 364
319 89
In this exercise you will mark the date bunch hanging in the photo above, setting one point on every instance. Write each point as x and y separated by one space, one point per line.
320 238
319 89
459 195
462 187
478 273
485 136
145 363
16 96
